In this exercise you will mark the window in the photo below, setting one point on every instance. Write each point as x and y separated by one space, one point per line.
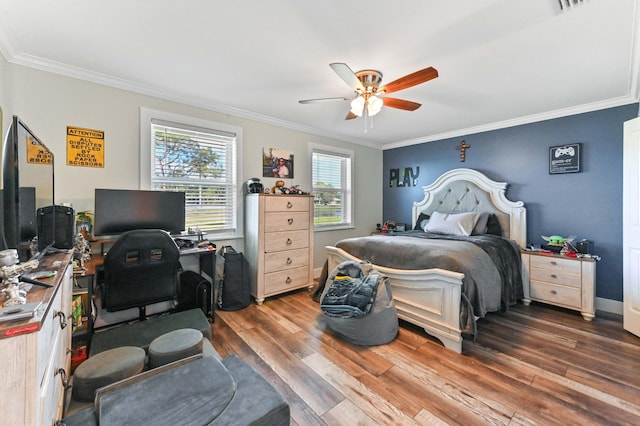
331 187
199 158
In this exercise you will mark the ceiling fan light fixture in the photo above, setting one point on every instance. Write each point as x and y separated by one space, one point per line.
374 105
357 105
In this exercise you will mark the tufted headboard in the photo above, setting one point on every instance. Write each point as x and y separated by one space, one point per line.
467 190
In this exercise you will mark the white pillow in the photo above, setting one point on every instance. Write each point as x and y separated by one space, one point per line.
452 223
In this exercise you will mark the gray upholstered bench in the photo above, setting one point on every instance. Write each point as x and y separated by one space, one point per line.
196 391
139 335
142 333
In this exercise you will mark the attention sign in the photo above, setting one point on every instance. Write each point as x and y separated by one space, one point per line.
85 147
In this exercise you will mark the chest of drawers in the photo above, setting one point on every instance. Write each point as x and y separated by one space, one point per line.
560 281
36 352
278 243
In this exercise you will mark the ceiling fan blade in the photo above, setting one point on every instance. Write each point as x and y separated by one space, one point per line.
410 80
311 101
350 116
347 75
400 104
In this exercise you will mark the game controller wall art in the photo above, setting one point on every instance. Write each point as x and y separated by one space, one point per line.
564 159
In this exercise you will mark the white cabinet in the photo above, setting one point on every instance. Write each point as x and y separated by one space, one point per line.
560 281
36 352
279 243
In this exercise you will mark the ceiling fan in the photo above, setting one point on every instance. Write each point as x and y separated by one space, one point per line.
370 95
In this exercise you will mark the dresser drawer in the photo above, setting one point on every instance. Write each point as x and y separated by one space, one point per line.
287 240
50 331
51 388
556 294
558 276
556 264
278 282
286 204
287 221
282 260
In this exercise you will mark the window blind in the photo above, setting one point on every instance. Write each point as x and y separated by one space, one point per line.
200 162
331 188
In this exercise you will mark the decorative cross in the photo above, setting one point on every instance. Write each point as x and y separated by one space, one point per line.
462 148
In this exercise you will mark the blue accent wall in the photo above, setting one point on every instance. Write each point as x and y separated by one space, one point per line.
587 204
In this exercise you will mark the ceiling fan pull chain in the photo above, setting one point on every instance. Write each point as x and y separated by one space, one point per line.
366 119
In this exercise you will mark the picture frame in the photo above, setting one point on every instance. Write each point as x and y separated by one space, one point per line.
277 163
565 158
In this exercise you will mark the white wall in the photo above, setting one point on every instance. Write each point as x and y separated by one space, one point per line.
48 103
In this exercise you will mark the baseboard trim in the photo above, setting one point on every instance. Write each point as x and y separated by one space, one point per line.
610 306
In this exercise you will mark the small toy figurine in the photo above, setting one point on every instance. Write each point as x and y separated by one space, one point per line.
557 244
295 189
558 241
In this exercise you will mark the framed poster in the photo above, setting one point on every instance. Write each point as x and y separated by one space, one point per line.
564 159
85 147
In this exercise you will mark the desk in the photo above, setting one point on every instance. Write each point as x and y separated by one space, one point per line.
93 270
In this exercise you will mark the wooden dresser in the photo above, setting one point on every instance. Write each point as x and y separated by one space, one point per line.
560 281
36 352
279 243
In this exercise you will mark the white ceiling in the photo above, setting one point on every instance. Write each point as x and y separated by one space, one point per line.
501 62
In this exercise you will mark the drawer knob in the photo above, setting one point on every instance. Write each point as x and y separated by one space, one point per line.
289 205
554 292
289 261
290 220
553 262
63 319
289 242
288 281
63 376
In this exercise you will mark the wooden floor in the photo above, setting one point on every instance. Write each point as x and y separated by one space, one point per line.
533 365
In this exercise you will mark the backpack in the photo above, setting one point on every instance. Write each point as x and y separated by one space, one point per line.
234 287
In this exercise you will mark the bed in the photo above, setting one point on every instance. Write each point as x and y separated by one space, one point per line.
437 297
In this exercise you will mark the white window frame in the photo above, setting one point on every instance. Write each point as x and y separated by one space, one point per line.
146 156
348 196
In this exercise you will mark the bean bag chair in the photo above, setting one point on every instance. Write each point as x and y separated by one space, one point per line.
357 304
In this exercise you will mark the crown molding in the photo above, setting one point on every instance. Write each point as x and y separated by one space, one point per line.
549 115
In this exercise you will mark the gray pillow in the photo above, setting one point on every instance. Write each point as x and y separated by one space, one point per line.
481 224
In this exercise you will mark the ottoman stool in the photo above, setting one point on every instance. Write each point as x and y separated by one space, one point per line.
173 346
105 368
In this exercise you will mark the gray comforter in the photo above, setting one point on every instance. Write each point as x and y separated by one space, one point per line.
490 264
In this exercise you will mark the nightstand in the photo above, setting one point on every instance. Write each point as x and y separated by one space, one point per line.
559 280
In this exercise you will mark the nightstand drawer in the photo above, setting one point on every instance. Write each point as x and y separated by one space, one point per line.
556 264
558 276
556 294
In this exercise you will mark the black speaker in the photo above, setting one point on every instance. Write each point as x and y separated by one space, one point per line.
585 247
64 219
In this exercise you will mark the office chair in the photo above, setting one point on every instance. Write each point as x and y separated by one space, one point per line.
140 269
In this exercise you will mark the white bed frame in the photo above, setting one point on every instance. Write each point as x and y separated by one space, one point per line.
430 298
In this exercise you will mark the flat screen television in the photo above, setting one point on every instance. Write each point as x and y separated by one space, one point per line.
27 184
121 210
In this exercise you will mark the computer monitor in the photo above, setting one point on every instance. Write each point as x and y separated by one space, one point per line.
121 210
